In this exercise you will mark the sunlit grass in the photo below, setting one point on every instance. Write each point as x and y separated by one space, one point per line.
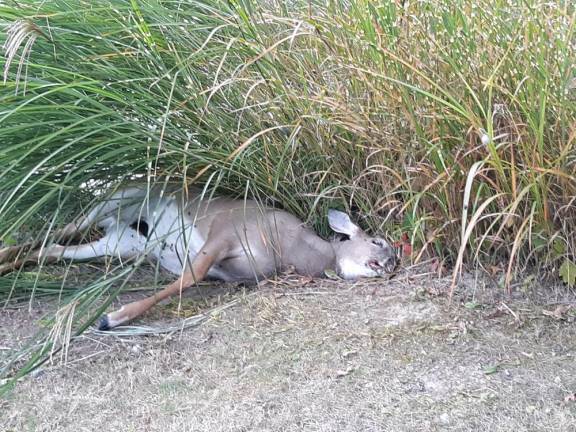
449 121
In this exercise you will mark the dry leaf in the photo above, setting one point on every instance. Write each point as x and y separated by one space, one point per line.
347 354
494 270
433 291
343 373
404 246
497 313
438 267
557 313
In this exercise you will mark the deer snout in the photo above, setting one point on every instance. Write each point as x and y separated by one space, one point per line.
385 264
389 264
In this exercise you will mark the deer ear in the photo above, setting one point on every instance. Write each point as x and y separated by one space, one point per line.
341 223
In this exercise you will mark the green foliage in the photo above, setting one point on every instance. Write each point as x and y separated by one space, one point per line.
451 121
568 272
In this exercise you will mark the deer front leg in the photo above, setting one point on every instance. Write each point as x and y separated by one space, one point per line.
207 256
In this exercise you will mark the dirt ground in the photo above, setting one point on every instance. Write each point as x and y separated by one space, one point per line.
298 355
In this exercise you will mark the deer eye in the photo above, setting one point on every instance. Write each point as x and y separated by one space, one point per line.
377 243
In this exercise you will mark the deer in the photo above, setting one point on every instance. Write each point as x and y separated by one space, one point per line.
196 236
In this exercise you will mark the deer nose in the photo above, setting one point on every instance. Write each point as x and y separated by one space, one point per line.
389 264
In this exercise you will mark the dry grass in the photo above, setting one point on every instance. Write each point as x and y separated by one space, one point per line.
323 357
448 123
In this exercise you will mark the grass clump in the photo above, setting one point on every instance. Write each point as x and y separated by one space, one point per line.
449 121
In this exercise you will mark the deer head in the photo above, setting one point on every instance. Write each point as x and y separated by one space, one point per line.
359 255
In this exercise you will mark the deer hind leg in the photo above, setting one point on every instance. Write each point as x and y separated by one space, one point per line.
23 252
212 252
103 215
14 257
124 244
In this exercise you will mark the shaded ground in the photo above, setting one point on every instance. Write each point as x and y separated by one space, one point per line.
319 356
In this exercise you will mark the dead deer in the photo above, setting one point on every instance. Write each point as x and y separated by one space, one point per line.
197 237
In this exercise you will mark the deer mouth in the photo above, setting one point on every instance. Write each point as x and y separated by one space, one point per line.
376 266
387 267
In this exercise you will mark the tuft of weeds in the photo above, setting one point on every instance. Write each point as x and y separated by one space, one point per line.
449 123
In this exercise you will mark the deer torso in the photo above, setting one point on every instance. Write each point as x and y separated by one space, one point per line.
261 241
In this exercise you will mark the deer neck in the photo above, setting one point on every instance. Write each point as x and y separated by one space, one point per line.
342 264
313 255
329 254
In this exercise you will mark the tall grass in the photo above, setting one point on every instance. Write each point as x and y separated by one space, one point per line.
450 121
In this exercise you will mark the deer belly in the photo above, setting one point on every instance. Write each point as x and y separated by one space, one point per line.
175 252
242 268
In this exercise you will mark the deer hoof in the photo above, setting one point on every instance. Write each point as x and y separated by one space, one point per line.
104 323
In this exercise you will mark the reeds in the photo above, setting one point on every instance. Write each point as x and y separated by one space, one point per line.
450 121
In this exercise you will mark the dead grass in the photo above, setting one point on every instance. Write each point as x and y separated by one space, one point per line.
320 356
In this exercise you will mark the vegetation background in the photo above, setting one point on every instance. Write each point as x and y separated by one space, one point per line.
447 123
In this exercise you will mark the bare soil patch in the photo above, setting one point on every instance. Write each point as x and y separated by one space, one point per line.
319 355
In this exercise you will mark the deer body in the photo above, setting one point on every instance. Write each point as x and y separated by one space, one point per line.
172 231
198 237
